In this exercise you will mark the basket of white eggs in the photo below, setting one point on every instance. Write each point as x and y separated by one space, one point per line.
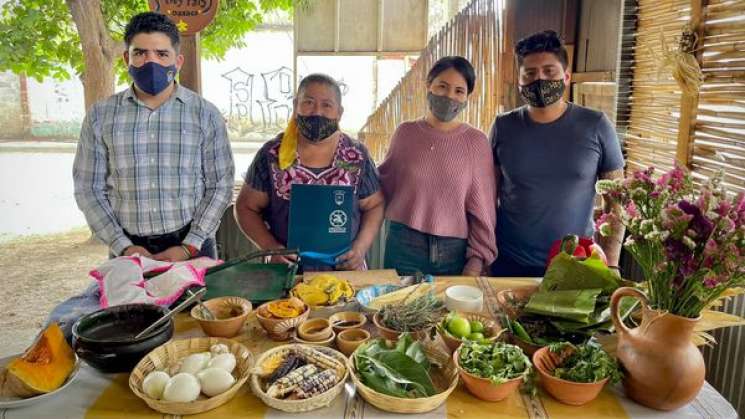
191 376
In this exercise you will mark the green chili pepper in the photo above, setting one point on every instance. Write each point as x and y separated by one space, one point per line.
520 332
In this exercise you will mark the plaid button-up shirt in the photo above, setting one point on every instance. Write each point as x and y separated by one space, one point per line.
152 172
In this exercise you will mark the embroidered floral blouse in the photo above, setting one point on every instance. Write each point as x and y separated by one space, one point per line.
352 166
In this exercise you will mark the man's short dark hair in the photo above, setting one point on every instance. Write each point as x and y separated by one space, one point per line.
457 63
546 41
320 78
149 22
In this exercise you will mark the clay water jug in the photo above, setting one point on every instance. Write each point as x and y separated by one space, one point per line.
663 368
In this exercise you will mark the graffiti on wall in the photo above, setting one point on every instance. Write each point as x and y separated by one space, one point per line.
262 99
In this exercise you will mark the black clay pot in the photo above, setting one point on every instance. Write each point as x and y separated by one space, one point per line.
105 338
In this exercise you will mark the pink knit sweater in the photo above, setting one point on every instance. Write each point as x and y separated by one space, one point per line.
443 183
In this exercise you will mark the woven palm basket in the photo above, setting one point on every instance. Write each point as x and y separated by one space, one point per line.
296 406
444 378
165 356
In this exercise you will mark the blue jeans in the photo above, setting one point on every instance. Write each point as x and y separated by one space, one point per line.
409 251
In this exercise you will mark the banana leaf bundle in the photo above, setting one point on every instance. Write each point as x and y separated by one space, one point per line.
574 296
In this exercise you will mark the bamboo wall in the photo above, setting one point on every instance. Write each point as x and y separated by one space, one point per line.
473 34
706 132
719 132
660 125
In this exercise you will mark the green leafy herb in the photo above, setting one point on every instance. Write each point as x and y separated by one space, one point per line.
401 371
499 362
587 363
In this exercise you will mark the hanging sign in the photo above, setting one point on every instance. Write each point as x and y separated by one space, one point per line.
190 16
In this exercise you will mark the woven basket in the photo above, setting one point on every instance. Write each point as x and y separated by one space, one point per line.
169 354
449 375
305 405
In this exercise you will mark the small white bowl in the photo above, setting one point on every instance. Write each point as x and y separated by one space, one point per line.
464 298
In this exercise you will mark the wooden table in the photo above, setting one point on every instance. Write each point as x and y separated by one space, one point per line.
96 395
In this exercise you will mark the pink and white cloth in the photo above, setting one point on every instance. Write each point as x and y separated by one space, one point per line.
122 280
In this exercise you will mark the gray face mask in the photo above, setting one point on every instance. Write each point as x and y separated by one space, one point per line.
444 108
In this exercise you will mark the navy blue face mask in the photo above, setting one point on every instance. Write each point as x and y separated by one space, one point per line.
152 78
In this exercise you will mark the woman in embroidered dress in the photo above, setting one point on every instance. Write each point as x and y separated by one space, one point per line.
312 150
439 184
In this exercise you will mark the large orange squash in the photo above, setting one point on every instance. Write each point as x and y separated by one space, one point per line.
44 366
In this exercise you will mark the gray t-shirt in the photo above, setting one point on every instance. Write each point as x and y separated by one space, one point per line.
547 178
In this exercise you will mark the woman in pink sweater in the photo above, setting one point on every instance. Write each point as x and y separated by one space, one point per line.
439 182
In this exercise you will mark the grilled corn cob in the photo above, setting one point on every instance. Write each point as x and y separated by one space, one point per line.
290 382
316 384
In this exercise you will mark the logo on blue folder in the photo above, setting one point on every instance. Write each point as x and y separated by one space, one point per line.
338 222
321 218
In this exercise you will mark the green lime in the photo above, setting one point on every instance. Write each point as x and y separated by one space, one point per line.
477 326
477 337
459 327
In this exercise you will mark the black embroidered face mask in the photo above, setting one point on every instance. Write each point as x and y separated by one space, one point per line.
542 93
316 127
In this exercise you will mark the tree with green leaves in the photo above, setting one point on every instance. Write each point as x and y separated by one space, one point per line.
62 38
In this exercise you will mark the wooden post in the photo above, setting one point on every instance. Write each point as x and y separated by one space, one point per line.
688 102
191 71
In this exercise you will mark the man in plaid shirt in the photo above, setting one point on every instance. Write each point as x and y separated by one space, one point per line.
154 170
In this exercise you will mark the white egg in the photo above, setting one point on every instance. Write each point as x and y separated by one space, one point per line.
194 363
223 361
154 384
219 348
215 381
183 388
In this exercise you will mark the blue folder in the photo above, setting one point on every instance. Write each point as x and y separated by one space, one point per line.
320 222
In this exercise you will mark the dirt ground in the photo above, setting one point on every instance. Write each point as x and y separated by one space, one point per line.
39 272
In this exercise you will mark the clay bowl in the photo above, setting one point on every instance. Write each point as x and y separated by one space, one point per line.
105 339
390 334
328 342
349 340
492 330
347 320
281 329
512 301
314 330
230 314
483 388
567 392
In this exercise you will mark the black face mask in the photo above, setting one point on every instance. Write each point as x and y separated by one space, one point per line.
542 93
316 127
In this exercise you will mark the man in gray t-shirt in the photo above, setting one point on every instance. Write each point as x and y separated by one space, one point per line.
548 154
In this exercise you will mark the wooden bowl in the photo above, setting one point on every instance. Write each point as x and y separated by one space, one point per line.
281 329
166 356
491 328
391 334
444 379
347 341
358 320
315 330
229 322
328 342
296 406
567 392
484 388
